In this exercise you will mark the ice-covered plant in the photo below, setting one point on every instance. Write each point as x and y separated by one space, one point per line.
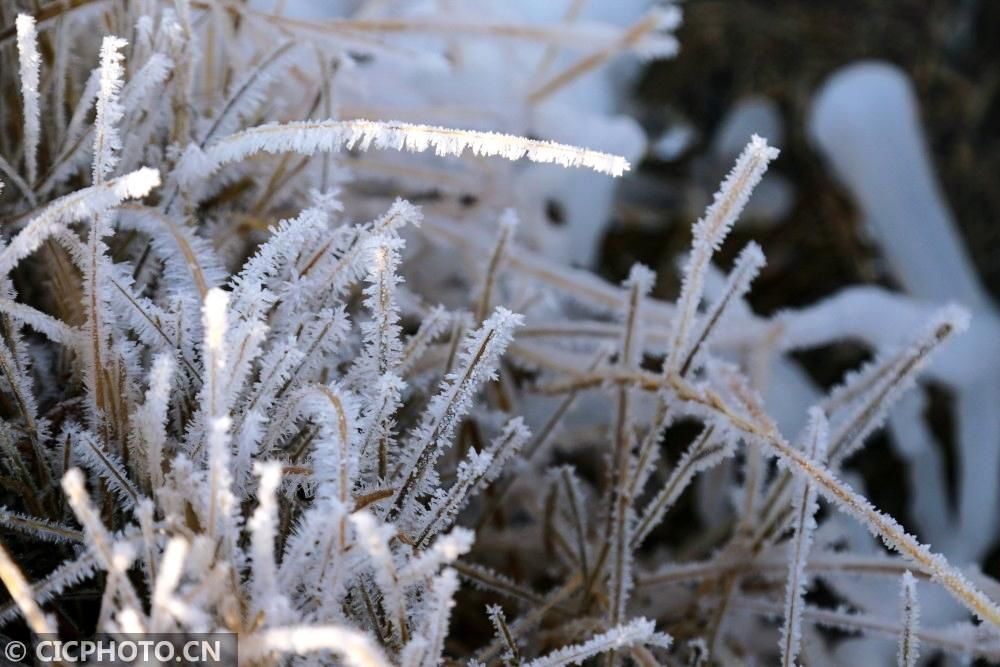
249 385
858 113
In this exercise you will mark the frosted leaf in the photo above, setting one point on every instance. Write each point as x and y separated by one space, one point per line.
382 333
67 575
432 326
101 540
803 524
38 528
437 613
374 536
887 529
909 642
475 470
274 259
507 227
107 141
309 137
164 602
30 63
890 378
709 232
268 598
20 590
478 360
150 419
445 550
709 449
502 632
748 264
384 401
73 207
91 455
635 633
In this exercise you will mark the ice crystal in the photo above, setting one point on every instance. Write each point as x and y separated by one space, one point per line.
250 386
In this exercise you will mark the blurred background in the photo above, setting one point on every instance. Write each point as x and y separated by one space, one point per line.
756 66
736 53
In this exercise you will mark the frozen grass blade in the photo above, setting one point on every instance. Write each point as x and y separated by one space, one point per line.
30 62
909 642
309 137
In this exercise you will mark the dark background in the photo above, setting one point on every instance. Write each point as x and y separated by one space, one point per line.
784 50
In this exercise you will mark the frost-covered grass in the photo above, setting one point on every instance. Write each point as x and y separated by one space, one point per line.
275 367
